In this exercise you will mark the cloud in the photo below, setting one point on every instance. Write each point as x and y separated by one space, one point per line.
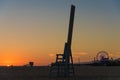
75 54
52 55
83 53
114 55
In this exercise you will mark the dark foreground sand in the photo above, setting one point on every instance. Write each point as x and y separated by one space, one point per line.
41 73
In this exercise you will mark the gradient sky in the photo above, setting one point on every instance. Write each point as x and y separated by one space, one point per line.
35 30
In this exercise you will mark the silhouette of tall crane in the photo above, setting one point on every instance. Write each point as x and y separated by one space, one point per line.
64 62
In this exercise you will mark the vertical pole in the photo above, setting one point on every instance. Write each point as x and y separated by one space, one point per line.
69 41
71 22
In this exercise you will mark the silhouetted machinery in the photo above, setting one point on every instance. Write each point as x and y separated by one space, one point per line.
64 62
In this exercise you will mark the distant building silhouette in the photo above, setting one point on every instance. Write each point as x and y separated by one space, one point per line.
102 59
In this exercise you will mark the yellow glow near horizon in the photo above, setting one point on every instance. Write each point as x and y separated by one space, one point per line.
8 65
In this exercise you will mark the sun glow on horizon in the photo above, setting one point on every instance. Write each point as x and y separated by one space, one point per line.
8 65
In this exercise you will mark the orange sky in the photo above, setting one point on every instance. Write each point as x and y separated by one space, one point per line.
37 30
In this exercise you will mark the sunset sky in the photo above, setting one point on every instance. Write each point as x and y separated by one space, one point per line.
35 30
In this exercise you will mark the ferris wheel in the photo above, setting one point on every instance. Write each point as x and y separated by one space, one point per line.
102 55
